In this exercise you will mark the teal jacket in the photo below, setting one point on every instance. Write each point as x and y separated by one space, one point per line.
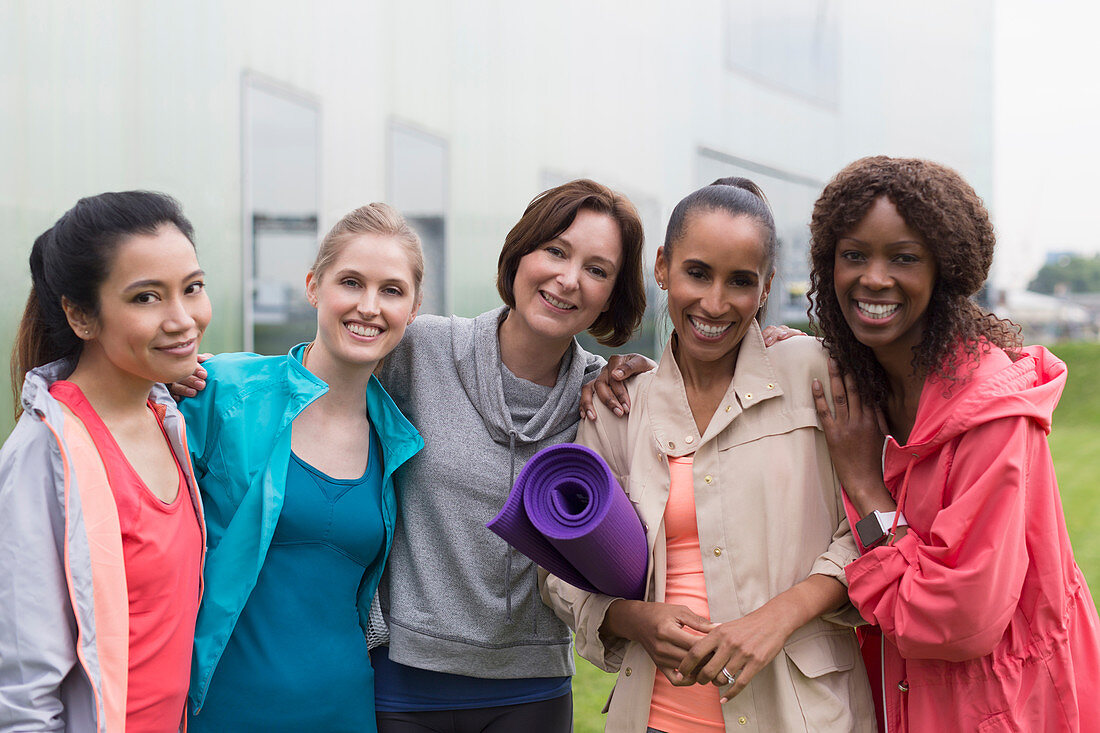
239 438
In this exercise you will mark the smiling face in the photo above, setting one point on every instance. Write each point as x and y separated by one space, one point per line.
883 276
718 277
365 298
563 285
153 310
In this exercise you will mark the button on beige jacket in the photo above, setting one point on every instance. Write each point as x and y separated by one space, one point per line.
769 512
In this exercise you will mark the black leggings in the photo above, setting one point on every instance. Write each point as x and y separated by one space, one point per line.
545 716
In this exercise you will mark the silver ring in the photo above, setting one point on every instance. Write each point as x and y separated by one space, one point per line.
730 679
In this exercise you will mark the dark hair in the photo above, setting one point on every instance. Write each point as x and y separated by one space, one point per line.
737 197
551 213
938 204
71 260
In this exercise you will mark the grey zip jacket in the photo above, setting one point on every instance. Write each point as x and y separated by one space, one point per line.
64 612
456 597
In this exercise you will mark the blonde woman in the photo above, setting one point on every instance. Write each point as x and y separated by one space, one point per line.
295 456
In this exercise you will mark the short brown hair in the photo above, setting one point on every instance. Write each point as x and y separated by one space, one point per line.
551 213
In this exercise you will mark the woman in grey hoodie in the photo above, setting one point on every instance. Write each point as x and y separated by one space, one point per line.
471 645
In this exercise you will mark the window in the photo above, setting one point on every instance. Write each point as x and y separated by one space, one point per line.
280 200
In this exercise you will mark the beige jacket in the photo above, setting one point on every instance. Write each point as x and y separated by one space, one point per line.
769 512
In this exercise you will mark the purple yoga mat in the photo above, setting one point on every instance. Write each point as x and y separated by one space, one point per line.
568 514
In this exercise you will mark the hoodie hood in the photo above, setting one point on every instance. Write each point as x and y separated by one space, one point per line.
997 388
35 396
476 351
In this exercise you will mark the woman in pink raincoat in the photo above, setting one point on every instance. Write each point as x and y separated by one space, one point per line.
938 433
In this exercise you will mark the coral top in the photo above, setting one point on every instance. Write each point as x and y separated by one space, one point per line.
162 549
694 708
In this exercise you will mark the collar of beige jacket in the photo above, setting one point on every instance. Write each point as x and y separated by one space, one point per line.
754 381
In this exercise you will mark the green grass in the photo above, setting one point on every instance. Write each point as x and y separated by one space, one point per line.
591 686
1075 443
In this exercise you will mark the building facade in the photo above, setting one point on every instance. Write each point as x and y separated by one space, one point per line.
270 120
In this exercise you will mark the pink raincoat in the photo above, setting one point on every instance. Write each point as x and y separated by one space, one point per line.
987 622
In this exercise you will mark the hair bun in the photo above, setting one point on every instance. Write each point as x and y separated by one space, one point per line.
744 184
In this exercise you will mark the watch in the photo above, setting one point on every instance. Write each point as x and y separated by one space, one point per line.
876 528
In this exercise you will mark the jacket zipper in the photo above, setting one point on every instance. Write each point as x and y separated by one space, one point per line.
882 671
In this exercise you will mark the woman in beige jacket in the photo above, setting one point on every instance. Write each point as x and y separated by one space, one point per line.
746 612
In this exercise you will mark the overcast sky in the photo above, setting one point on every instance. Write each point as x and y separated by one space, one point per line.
1047 133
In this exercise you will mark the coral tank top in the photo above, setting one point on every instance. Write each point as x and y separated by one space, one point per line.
162 550
693 709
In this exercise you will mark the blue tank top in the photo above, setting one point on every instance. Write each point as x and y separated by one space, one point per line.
297 659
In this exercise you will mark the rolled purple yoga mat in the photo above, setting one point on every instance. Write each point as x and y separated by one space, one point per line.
568 514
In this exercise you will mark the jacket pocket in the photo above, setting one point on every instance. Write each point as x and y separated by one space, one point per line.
827 679
823 651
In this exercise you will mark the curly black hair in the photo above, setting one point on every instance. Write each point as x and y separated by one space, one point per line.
937 203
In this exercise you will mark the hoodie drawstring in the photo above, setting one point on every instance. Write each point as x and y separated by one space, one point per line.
508 549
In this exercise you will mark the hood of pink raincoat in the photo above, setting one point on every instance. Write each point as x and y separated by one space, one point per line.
995 389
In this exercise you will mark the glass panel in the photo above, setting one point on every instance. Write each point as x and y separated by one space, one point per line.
281 201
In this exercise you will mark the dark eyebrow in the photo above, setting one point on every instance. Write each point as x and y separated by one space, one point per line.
697 263
138 284
708 268
888 244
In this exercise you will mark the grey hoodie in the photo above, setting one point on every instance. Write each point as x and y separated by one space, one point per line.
457 598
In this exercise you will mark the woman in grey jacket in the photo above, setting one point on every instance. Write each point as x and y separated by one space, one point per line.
471 645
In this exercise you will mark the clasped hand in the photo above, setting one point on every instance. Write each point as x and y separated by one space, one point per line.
689 649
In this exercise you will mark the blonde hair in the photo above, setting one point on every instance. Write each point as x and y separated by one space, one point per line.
377 218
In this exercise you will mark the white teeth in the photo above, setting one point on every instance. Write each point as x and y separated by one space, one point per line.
708 330
877 310
364 331
555 302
